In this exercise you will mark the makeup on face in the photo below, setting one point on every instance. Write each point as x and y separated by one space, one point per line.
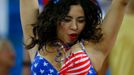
73 36
71 25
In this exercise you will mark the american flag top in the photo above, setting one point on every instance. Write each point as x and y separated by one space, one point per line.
77 63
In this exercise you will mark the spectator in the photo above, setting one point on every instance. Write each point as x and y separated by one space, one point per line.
7 57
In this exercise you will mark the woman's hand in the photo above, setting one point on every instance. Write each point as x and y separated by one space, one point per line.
122 2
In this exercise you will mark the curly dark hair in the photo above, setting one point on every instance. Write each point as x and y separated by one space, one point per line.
44 29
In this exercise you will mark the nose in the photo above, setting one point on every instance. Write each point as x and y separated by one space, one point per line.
74 25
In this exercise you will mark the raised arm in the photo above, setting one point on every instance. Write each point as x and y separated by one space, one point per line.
111 25
28 12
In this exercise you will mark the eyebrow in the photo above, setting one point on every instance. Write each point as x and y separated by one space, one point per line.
80 17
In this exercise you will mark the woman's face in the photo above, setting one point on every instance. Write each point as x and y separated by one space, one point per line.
72 25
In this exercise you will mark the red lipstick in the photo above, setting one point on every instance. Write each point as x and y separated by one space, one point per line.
73 37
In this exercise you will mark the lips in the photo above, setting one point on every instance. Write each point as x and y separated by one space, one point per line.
73 37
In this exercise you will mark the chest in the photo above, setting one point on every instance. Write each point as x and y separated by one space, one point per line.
96 57
50 57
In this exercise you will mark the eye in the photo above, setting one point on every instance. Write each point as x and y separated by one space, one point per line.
67 19
81 20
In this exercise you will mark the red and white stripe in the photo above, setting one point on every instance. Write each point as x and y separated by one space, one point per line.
77 64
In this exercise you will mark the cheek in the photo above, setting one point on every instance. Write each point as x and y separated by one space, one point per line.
63 28
81 27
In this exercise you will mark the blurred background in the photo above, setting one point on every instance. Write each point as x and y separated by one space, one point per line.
11 39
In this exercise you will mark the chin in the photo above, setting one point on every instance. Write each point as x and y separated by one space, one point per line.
71 42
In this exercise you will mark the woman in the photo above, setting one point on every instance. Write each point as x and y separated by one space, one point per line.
69 36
